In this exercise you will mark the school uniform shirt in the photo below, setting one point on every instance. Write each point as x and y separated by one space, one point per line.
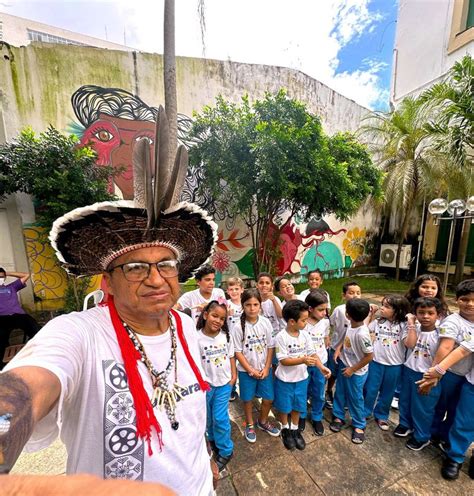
268 311
469 345
339 324
318 333
389 348
460 329
357 344
236 311
288 346
216 353
421 357
254 343
194 298
302 296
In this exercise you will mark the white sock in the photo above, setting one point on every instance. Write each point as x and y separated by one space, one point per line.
286 426
293 427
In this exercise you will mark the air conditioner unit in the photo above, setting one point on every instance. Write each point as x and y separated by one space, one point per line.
388 256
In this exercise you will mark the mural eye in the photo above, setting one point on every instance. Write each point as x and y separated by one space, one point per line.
103 135
139 138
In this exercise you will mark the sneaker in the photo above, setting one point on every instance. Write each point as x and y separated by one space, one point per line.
301 424
415 445
318 427
383 424
336 425
402 431
329 401
300 443
288 439
471 466
450 469
394 404
268 428
357 437
250 433
233 396
222 461
441 445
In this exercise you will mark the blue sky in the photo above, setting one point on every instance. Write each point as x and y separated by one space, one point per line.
346 44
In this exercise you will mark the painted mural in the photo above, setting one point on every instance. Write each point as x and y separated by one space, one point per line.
113 120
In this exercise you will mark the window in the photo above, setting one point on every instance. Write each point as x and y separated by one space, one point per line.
50 38
443 238
462 26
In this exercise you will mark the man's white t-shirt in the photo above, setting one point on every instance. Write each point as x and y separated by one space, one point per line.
255 344
357 344
193 299
95 415
421 357
302 296
460 329
389 347
292 347
318 333
340 323
215 358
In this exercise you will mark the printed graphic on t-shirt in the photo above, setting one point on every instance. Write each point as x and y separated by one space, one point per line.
422 349
295 349
388 335
216 354
255 343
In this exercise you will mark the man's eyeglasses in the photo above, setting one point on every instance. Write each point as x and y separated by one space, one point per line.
139 271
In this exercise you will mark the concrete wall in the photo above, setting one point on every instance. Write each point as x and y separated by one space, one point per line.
430 37
37 83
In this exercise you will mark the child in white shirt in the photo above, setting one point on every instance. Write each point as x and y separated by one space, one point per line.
416 409
315 281
271 305
218 362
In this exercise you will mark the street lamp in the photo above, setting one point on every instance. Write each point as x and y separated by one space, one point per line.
455 209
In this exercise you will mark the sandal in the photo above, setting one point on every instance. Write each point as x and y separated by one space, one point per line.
358 437
337 424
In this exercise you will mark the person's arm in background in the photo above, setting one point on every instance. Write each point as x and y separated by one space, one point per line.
23 276
27 394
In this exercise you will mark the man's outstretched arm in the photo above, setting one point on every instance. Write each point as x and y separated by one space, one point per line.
27 394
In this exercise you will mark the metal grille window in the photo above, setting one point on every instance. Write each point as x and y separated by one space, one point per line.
50 38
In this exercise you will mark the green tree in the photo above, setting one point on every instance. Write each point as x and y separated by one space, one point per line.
59 175
272 156
400 141
452 130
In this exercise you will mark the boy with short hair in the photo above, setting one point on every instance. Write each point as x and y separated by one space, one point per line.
284 287
294 351
339 324
196 300
315 280
356 352
453 330
318 329
235 288
416 407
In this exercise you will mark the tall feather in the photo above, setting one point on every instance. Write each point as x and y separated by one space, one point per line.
178 176
162 172
139 175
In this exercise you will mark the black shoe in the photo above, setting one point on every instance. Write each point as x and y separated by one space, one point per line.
441 445
301 424
415 445
300 443
288 439
233 396
450 469
329 401
402 431
471 467
336 425
222 461
318 427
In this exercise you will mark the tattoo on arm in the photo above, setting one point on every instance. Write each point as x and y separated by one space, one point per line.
16 419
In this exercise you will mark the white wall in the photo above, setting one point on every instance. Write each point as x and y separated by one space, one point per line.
421 46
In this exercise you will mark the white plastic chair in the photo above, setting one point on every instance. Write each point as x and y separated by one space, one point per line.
97 296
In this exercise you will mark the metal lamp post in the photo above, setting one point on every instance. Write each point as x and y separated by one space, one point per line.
455 209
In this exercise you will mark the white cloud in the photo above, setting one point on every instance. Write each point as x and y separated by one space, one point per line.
307 35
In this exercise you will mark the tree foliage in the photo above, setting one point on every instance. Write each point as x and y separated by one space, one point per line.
272 156
58 174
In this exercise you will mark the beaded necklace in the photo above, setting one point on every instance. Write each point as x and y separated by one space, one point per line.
164 395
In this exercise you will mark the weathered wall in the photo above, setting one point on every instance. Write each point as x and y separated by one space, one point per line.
38 81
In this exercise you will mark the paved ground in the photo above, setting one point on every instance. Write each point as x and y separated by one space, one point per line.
330 465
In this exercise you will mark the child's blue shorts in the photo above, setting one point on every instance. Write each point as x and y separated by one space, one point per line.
251 387
291 396
332 365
